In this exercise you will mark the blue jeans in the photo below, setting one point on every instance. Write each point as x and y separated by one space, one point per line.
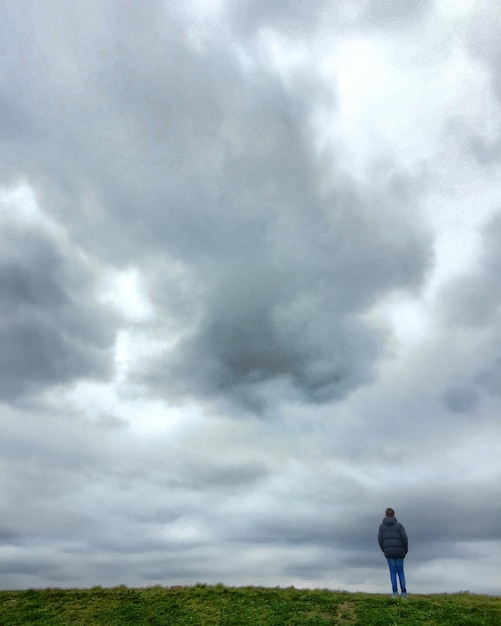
397 569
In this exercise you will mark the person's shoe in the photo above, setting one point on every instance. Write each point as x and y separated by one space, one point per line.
404 595
394 594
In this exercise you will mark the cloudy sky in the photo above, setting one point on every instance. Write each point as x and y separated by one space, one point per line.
250 260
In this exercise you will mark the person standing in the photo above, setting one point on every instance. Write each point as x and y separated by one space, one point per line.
393 542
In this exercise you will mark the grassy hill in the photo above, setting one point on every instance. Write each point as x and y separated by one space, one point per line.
204 605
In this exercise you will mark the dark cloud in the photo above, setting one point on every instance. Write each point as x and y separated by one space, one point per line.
451 515
461 399
486 152
187 155
235 358
52 331
283 273
282 315
489 378
8 536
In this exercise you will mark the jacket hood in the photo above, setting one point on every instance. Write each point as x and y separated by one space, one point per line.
389 521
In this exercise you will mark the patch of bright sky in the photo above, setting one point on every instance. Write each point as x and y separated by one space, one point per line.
409 319
122 290
19 204
143 416
203 17
453 9
136 346
203 10
457 224
390 102
392 107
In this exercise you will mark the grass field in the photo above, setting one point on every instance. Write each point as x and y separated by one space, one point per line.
204 605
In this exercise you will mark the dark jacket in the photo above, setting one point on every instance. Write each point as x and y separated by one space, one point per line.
392 538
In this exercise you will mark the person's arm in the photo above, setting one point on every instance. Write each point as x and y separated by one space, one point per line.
380 538
405 540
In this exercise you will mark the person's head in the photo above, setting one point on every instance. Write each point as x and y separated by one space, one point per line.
390 512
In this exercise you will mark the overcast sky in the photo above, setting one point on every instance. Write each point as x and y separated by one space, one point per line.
250 260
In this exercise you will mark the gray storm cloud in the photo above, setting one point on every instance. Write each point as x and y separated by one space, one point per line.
214 167
50 331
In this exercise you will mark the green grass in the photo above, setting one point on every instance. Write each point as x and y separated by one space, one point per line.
204 605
